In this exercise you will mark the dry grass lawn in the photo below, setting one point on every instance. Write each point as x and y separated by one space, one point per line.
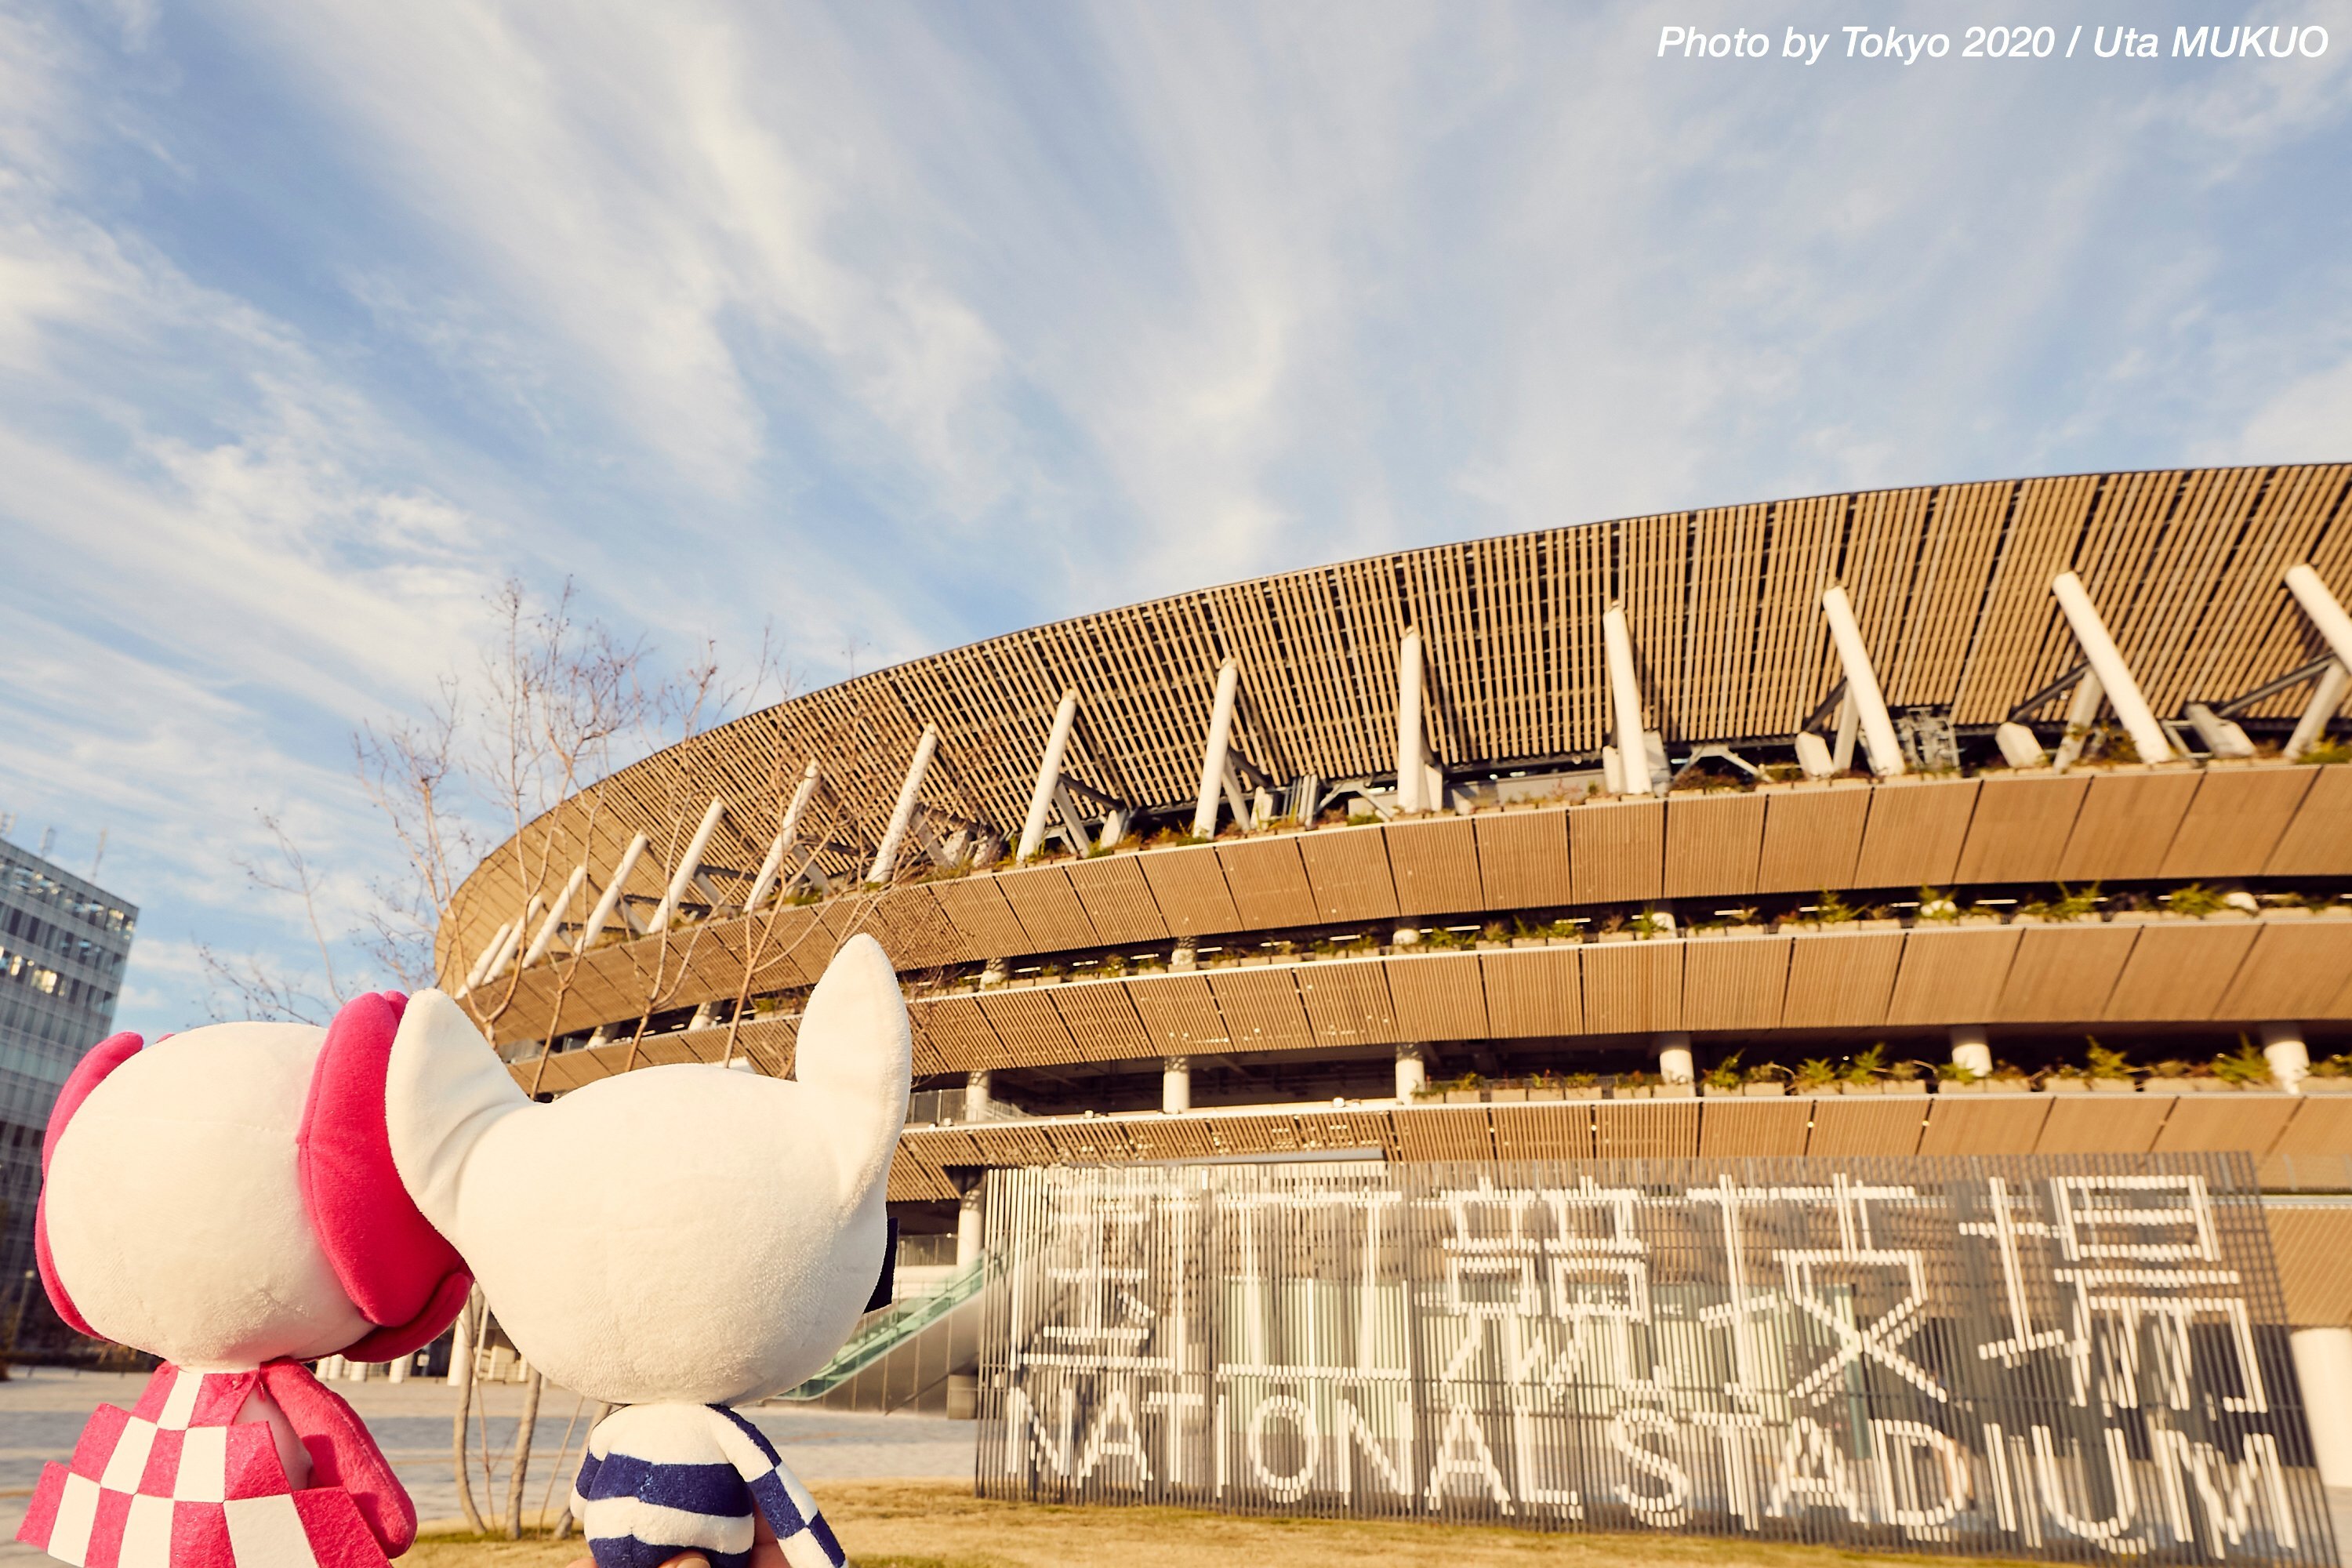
939 1524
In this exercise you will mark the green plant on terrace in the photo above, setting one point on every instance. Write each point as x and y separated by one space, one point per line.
1954 1072
2070 904
2100 1061
1833 910
1814 1072
1867 1065
1935 904
2327 754
2244 1064
2196 899
1725 1074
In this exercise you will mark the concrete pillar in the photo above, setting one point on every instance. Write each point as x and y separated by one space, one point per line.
681 881
1215 751
969 1214
2327 697
552 926
2323 1364
1624 704
976 1099
1862 686
1176 1085
1185 955
902 815
1049 776
461 1346
398 1371
1674 1057
2290 1060
1970 1049
1412 1072
613 890
1411 760
706 1014
482 964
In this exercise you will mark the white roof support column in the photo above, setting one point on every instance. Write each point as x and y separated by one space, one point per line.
788 836
1411 744
1049 777
902 816
2335 629
2106 662
552 926
532 911
1862 685
482 959
2082 709
2327 697
612 892
681 881
1624 704
1215 753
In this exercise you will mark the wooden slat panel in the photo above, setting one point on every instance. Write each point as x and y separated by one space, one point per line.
1444 1132
1617 850
2127 821
1180 1014
2220 1123
1117 898
1348 867
912 928
1435 864
1850 1126
1632 987
1172 1138
2318 842
2237 819
2063 973
1712 844
2294 971
1646 1129
1438 996
2316 1143
2179 971
1026 1020
1047 907
1915 831
962 1033
1948 974
1544 1131
2314 1246
1743 1128
2021 827
1092 1141
1812 835
2102 1124
1103 1022
1737 981
1523 859
1268 882
1985 1123
1532 992
1839 979
1348 1130
977 907
1262 1008
1190 889
1347 1002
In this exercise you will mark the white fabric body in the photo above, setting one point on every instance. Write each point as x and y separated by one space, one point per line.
175 1211
678 1234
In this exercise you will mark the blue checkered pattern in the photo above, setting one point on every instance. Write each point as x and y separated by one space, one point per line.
660 1480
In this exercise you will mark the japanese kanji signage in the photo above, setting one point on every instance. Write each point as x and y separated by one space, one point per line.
2062 1358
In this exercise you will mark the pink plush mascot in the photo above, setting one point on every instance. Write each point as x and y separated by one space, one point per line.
227 1200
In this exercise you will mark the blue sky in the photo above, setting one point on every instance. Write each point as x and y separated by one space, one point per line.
896 326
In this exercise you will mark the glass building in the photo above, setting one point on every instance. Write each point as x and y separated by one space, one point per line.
63 943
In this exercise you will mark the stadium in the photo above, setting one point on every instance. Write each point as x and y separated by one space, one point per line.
1993 819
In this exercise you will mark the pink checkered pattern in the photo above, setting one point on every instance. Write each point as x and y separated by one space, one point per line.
177 1481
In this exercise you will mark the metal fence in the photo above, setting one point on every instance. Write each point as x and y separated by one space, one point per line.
2074 1358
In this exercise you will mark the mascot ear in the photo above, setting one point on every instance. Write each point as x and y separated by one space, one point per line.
88 1074
399 1271
855 1047
444 1087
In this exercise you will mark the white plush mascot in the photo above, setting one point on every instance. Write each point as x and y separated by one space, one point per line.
674 1240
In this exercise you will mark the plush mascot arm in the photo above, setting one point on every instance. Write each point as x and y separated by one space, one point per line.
343 1453
806 1539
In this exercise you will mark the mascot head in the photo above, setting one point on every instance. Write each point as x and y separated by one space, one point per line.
228 1196
678 1234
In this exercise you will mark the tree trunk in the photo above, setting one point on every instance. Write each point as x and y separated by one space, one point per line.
464 1347
521 1465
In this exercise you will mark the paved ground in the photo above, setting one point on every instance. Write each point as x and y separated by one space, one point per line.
42 1413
